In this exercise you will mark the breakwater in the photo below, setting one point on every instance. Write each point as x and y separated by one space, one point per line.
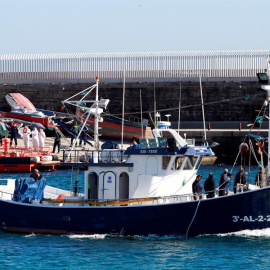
226 101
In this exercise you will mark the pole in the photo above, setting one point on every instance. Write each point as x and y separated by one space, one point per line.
141 111
96 138
155 105
123 107
179 111
204 130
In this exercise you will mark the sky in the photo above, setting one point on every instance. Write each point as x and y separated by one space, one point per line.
97 26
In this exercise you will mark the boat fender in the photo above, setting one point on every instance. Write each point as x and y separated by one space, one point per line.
55 157
46 158
243 148
33 159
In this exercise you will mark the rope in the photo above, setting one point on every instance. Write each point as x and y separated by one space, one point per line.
194 105
193 218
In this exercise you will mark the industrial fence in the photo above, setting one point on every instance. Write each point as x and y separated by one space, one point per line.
85 66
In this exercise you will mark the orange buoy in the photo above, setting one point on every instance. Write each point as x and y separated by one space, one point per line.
61 196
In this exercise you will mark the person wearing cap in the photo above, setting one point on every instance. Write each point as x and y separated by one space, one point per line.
239 179
210 186
196 188
13 133
223 183
36 175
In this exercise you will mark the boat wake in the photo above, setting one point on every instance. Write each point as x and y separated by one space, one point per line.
85 236
249 233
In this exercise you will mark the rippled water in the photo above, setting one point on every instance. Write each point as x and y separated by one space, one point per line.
241 250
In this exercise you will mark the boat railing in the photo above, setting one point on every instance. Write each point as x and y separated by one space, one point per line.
109 156
7 151
79 200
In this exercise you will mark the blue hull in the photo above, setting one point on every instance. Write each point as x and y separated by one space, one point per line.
248 210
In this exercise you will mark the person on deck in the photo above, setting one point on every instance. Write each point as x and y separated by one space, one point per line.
134 143
35 137
57 140
41 138
210 186
36 175
223 183
26 136
239 179
13 133
196 188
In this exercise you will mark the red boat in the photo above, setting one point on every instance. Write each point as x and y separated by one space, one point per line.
21 159
23 109
111 127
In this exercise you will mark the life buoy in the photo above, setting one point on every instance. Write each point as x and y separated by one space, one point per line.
61 196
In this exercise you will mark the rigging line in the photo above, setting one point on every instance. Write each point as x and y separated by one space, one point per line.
234 163
193 218
253 151
189 106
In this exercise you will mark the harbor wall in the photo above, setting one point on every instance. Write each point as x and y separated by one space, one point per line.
225 101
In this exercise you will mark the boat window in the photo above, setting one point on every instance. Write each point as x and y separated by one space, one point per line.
199 159
178 163
193 160
165 162
188 164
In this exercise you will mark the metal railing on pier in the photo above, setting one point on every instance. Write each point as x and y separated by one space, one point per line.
135 65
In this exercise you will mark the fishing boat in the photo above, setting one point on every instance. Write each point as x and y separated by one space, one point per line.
110 126
22 108
145 189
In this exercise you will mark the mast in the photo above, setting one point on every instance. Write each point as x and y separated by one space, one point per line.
123 107
179 110
96 138
141 111
204 130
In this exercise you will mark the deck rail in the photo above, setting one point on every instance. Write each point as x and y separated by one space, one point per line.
106 156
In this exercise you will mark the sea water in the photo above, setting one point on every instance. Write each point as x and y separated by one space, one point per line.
241 250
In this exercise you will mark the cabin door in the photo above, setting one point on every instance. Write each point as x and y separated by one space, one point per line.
151 166
109 186
92 188
123 186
